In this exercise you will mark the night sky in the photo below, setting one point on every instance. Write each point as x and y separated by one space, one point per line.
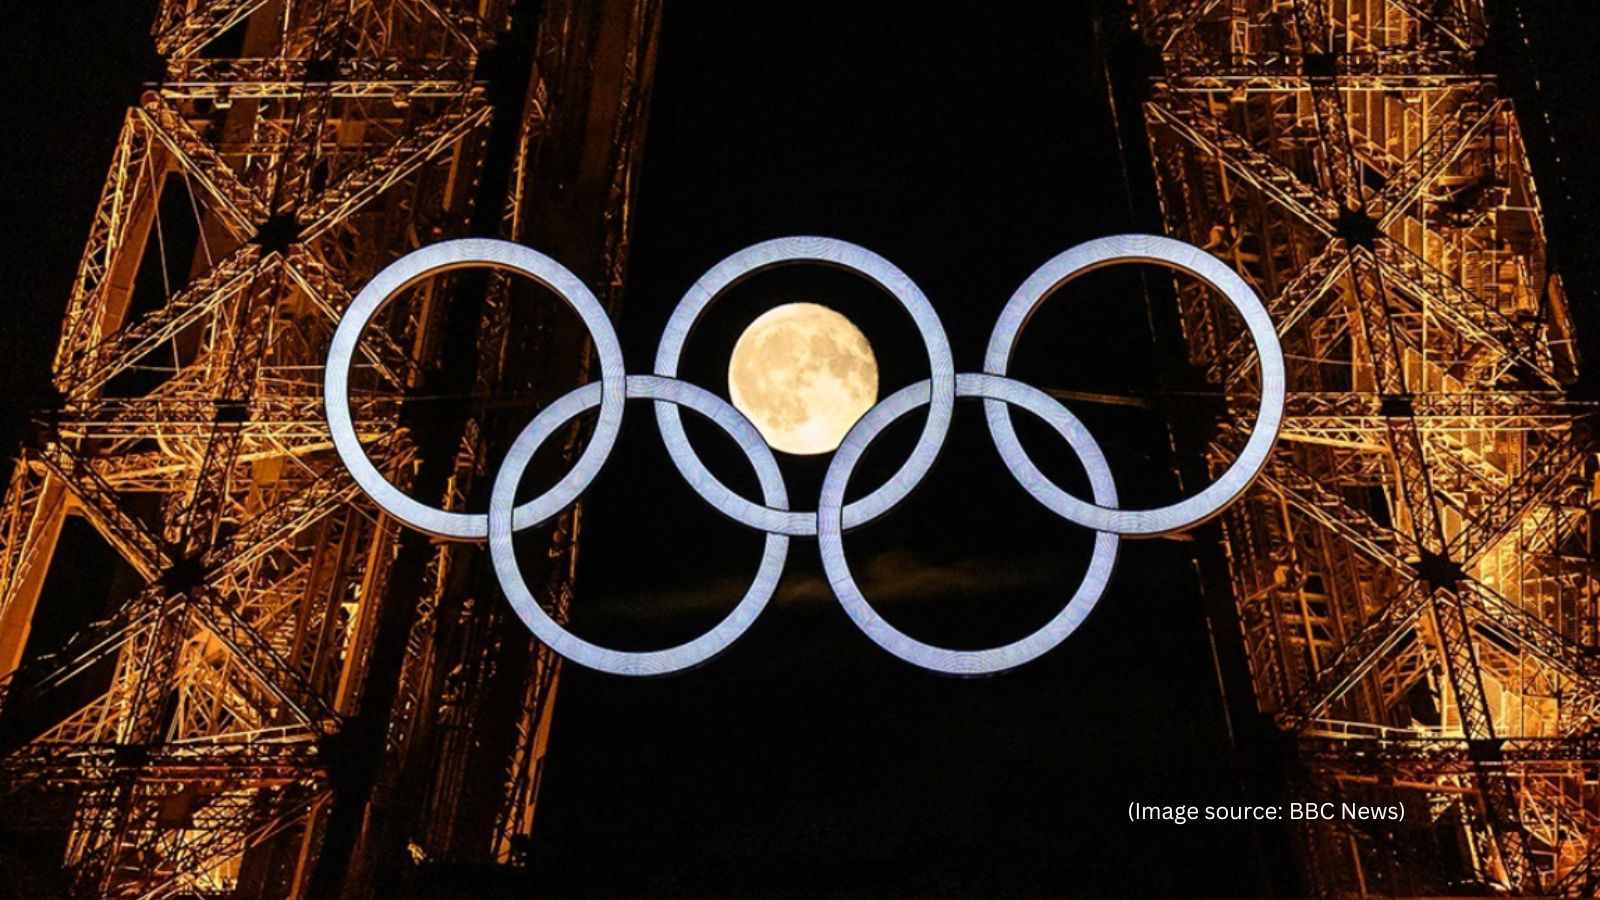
967 145
967 148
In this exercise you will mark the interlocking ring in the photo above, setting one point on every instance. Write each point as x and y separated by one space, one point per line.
433 260
1183 257
830 527
569 645
940 386
833 516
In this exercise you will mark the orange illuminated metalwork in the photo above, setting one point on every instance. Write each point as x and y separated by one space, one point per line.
1413 573
270 659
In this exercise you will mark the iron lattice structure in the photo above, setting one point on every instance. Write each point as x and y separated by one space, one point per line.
1414 574
274 695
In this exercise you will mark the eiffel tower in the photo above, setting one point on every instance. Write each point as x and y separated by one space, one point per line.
1414 574
281 693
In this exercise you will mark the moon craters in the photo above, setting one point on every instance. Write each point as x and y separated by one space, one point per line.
803 374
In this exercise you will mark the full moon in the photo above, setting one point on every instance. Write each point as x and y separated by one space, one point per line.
803 374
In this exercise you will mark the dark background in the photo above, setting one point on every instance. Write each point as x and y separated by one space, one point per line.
967 145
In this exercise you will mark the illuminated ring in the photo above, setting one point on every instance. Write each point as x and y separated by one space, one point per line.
830 527
548 630
939 388
1186 258
442 257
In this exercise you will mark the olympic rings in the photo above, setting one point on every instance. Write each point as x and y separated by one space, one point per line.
833 516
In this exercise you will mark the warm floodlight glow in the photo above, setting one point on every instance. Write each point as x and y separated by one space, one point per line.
803 374
829 350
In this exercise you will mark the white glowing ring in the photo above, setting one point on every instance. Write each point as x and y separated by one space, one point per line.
830 527
940 385
621 662
1185 258
432 260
